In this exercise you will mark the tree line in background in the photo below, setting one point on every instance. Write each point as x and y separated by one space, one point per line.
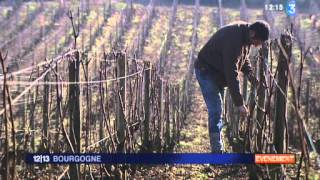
299 3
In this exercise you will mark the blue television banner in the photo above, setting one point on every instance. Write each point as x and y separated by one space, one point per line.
142 158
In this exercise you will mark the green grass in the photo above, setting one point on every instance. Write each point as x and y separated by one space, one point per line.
234 14
305 23
120 5
33 6
185 145
5 12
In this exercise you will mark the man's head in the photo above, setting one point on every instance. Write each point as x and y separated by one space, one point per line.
259 32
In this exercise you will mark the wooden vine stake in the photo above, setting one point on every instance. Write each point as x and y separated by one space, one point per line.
74 111
281 94
45 114
147 76
74 100
121 107
261 96
120 117
280 123
9 159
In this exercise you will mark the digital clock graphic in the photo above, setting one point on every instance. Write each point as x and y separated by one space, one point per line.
289 7
274 7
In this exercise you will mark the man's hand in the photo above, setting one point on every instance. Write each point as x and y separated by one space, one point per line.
243 111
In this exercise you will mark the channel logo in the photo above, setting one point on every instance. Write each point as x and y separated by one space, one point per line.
291 8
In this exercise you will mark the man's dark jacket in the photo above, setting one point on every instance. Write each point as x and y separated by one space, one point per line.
224 55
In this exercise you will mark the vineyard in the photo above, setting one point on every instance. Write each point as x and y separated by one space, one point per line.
117 77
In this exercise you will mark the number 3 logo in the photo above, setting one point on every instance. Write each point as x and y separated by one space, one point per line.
291 8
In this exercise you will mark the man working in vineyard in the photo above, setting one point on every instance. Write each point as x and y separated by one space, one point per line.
217 67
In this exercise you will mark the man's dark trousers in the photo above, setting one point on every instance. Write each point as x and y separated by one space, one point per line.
213 97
